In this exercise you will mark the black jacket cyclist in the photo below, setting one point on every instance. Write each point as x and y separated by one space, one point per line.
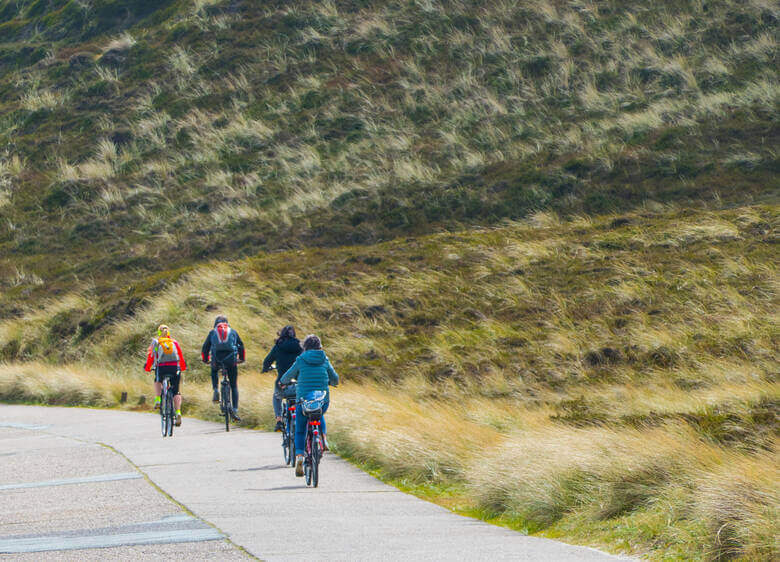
224 346
286 349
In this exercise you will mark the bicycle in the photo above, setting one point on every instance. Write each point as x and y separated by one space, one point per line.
167 412
313 448
288 424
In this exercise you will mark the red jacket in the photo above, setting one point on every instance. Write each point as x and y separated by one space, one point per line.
151 356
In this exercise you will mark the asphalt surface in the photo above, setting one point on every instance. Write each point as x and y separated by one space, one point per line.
81 484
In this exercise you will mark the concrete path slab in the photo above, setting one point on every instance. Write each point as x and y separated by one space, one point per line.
236 482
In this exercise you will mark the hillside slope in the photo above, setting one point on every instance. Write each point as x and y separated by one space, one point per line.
142 136
608 381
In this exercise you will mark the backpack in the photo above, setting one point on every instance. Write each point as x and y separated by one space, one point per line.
166 351
224 341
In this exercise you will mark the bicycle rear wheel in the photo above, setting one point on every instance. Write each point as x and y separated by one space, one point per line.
226 405
307 464
286 445
171 412
316 455
163 420
163 415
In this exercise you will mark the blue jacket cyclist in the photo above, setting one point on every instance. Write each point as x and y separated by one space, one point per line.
313 371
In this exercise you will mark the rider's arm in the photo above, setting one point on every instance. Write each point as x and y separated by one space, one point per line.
269 359
291 373
182 362
240 345
149 358
206 349
333 376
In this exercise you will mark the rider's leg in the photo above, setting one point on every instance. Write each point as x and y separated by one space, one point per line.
214 382
322 419
175 382
322 424
277 402
300 430
157 387
232 372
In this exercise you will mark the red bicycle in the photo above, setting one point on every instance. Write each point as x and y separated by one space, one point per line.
312 408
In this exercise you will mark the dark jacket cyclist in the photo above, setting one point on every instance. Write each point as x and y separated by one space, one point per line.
313 371
286 349
224 346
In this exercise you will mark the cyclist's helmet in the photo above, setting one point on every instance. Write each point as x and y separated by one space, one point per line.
220 319
163 330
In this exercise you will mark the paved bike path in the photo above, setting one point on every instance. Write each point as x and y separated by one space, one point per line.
236 482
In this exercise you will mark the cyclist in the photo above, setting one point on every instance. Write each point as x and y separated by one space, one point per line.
166 358
284 352
313 371
224 345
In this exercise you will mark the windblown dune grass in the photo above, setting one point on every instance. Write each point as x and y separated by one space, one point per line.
609 381
218 127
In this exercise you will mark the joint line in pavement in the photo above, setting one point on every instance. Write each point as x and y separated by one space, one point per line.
66 481
183 507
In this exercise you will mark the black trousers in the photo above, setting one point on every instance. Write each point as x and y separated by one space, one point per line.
232 373
172 370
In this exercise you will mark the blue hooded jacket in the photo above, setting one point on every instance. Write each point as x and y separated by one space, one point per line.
313 371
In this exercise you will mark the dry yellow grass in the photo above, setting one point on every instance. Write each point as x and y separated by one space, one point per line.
603 380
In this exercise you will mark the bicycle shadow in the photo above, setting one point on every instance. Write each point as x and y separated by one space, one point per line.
277 489
266 467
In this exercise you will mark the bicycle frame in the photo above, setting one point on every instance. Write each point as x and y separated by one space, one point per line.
312 452
166 406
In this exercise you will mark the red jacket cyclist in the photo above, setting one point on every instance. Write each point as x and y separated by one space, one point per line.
166 358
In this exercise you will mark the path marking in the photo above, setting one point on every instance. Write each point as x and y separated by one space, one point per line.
66 481
47 543
23 425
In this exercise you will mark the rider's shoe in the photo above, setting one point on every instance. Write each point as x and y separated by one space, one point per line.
299 465
325 444
234 415
279 426
177 421
215 396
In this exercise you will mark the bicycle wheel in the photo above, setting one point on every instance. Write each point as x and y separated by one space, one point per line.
163 420
292 441
316 455
163 416
307 457
171 411
226 405
286 445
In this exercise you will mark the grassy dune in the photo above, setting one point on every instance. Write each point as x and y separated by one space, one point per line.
608 381
539 238
165 133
